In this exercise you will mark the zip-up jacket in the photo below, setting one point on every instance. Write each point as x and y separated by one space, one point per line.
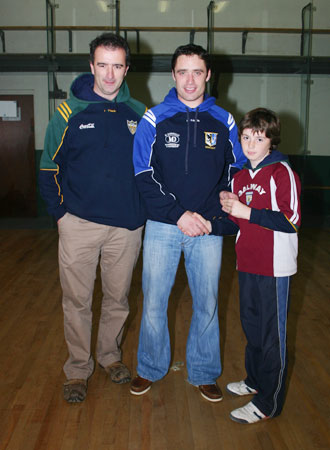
267 244
184 157
86 167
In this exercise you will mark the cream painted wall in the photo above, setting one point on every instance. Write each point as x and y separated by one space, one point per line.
237 93
167 13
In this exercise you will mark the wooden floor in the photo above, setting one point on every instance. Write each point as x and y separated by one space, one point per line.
172 415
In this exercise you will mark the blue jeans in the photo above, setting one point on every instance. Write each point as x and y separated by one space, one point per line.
162 248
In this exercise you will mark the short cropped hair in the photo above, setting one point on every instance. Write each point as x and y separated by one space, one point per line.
109 40
190 50
262 120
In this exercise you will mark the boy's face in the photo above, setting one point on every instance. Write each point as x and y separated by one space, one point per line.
190 76
256 146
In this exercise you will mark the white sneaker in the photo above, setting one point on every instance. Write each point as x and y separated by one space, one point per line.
247 414
240 388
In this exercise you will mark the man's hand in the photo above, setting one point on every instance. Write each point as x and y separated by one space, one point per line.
58 221
236 209
191 225
207 223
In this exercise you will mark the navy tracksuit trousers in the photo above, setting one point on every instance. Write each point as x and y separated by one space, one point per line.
264 304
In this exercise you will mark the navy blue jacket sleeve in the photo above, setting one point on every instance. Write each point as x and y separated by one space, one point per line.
274 220
50 175
223 225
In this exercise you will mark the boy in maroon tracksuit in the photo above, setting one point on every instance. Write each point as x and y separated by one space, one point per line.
264 208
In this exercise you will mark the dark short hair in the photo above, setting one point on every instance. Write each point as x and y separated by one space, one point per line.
189 50
262 120
109 40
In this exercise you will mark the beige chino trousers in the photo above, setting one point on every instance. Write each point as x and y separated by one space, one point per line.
82 244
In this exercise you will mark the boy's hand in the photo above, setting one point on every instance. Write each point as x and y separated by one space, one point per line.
225 195
236 209
207 223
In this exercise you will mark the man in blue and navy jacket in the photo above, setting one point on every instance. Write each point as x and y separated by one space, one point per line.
87 180
185 152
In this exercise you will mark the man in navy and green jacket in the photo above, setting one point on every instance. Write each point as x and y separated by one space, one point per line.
87 181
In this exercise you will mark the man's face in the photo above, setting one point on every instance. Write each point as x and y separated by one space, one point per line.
190 76
109 70
256 146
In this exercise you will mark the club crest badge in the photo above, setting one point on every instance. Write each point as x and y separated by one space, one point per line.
172 140
210 139
132 124
248 197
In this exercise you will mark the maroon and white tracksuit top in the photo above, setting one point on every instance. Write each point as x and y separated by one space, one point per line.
268 243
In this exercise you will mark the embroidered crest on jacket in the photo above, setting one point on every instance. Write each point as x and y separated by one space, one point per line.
210 139
172 140
132 124
248 197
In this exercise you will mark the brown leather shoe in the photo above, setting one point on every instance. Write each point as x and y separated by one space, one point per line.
140 386
118 373
211 392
